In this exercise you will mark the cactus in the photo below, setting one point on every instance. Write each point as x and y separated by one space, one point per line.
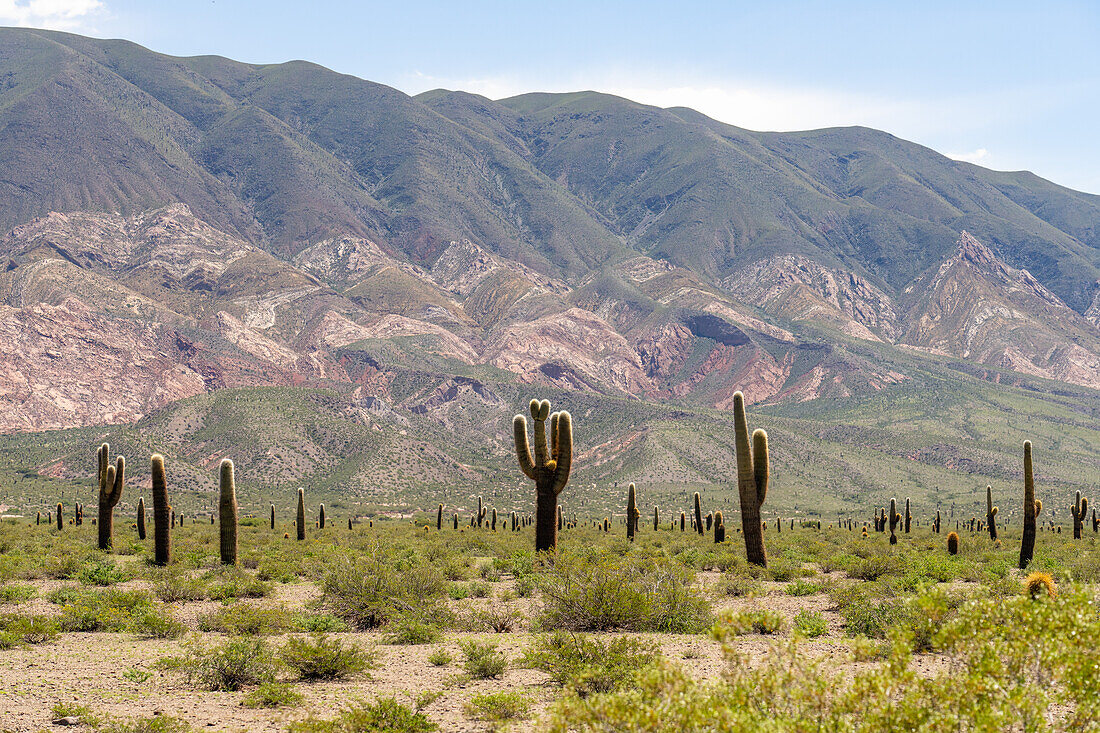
300 522
111 482
321 517
656 519
952 543
493 526
719 527
1095 522
1039 584
227 513
549 467
698 514
908 516
936 526
480 511
38 518
1031 508
273 516
631 513
141 518
162 528
561 523
895 518
683 522
990 513
1079 511
752 481
439 518
710 521
60 520
456 522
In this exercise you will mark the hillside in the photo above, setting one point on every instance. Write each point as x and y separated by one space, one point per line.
343 285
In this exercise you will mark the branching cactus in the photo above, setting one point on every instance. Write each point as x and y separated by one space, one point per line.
752 480
1031 508
111 481
300 522
549 466
895 518
1079 511
141 518
227 513
162 512
480 512
990 513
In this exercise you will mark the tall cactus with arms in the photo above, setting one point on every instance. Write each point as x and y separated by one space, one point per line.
548 468
111 481
752 480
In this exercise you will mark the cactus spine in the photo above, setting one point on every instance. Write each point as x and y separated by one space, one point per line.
698 514
162 528
1031 508
227 513
141 518
1079 512
111 481
752 481
300 522
549 467
990 513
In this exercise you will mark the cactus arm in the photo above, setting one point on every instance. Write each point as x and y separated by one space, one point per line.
741 440
760 464
523 447
554 436
542 454
564 451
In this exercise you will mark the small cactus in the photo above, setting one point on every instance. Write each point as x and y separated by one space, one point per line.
990 513
895 518
908 516
952 543
273 516
632 512
1079 511
683 521
656 519
60 520
698 514
321 517
1038 584
162 512
227 513
141 518
300 523
439 518
719 528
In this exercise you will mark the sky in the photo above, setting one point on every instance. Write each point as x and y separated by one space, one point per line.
1008 85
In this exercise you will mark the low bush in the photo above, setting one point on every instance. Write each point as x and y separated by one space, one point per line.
498 707
321 657
384 714
482 660
273 695
230 666
17 630
587 664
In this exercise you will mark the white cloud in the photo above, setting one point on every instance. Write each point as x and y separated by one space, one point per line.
66 15
975 156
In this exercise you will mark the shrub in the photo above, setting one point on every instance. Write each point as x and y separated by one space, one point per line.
324 658
810 624
320 622
801 587
411 630
273 695
368 592
498 707
246 619
15 593
235 583
16 630
173 585
101 572
738 586
496 617
482 660
439 658
111 610
755 621
229 667
587 664
603 592
155 724
385 714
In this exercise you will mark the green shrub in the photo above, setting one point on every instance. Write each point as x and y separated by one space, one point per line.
101 572
439 658
74 710
231 666
737 586
368 591
587 664
320 622
801 587
155 724
458 591
174 585
498 707
411 630
247 619
753 621
232 584
17 630
384 715
322 657
810 624
15 593
273 695
111 610
482 660
602 592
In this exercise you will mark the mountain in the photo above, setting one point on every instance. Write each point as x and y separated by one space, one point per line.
375 282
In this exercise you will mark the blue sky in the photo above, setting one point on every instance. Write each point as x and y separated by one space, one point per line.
1009 85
